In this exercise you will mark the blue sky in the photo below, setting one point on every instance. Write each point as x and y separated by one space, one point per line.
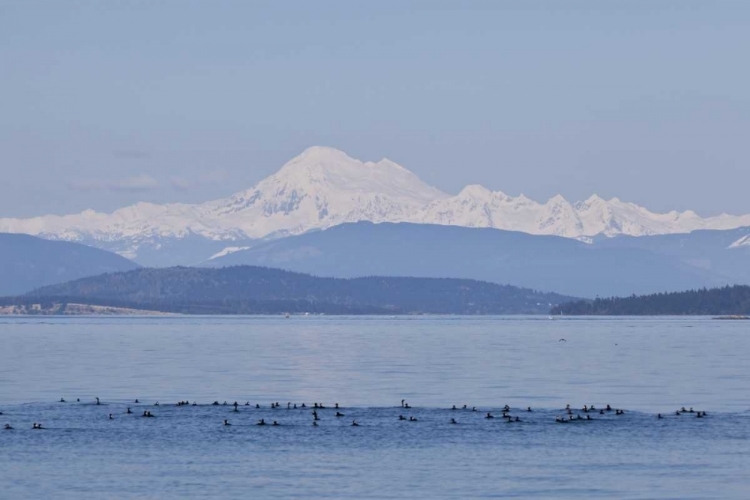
103 104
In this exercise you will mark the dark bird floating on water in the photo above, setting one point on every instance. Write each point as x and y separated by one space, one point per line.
571 417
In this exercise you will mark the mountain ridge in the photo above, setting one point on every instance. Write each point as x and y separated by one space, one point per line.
324 187
28 262
540 262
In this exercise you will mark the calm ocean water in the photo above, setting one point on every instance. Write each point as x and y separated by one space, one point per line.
368 365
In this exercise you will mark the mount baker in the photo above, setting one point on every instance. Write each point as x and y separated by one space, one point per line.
323 187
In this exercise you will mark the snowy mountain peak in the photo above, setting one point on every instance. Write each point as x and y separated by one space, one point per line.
324 168
477 191
317 159
386 163
321 152
322 159
558 200
592 201
324 187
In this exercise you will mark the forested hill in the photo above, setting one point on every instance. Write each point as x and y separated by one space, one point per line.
734 300
255 290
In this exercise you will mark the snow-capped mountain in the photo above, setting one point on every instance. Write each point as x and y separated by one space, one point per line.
320 188
476 206
323 187
128 229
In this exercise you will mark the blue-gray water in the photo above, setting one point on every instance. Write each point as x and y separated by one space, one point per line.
368 365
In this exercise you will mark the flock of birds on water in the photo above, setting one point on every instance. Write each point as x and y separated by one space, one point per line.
569 415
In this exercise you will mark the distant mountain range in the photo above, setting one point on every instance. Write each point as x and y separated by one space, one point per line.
606 267
619 266
254 290
322 188
27 262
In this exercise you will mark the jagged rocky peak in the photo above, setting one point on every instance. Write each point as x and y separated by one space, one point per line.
476 193
591 202
558 199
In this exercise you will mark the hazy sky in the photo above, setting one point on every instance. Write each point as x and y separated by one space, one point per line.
107 103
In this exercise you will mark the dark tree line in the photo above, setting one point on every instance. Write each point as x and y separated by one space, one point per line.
729 300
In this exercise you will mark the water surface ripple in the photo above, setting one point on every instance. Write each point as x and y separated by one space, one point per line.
368 365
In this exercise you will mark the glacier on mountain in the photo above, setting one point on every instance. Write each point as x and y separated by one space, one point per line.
324 187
